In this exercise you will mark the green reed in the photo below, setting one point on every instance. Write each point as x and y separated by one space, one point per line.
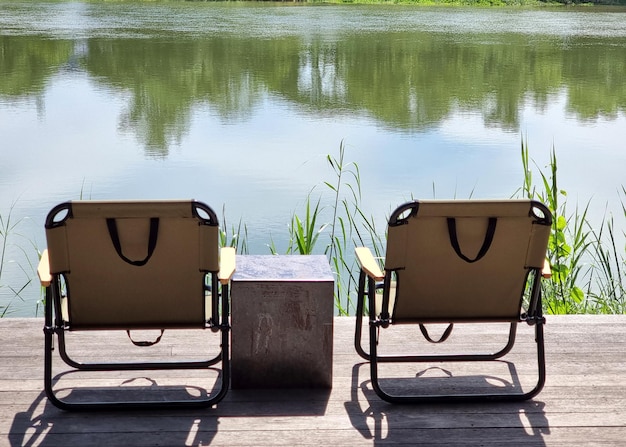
304 233
350 228
609 273
237 237
11 292
587 265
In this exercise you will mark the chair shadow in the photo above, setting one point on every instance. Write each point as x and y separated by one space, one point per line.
42 424
455 423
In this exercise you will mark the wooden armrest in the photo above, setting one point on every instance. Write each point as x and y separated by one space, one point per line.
546 271
368 263
227 264
43 269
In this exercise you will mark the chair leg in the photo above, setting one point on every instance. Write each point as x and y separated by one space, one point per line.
224 380
541 362
416 399
130 366
454 357
363 296
51 329
360 310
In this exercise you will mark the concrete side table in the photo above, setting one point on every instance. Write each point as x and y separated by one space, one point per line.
282 322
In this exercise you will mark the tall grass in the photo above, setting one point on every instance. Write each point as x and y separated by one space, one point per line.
587 263
350 228
9 293
609 272
236 237
347 224
304 233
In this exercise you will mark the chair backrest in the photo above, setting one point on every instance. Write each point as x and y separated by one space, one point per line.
133 264
463 260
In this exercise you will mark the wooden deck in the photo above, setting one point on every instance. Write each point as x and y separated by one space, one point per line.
582 404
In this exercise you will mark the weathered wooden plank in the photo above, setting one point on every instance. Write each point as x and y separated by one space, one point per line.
416 436
209 432
588 399
584 401
302 418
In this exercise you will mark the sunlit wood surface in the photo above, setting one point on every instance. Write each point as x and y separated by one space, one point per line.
583 402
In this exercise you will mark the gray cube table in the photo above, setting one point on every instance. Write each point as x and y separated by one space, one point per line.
282 310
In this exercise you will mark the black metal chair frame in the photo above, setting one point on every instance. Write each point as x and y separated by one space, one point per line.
54 325
367 290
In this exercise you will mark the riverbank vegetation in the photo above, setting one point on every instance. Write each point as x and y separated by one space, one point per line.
588 263
463 2
472 2
588 260
440 2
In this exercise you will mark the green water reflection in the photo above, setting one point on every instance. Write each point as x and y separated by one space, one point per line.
27 63
407 81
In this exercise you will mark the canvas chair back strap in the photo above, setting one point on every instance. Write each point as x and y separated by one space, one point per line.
144 344
441 339
454 240
152 241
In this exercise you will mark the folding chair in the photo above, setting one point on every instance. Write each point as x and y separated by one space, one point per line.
457 261
135 265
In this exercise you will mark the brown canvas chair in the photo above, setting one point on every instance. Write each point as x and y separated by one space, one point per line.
135 265
453 262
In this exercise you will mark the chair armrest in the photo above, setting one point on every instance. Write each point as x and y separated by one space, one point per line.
368 264
546 271
43 269
227 264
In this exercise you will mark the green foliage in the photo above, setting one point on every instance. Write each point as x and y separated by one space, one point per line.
588 264
438 2
237 237
587 272
350 228
303 235
609 270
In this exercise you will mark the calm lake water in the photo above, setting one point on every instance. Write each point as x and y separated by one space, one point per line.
238 105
